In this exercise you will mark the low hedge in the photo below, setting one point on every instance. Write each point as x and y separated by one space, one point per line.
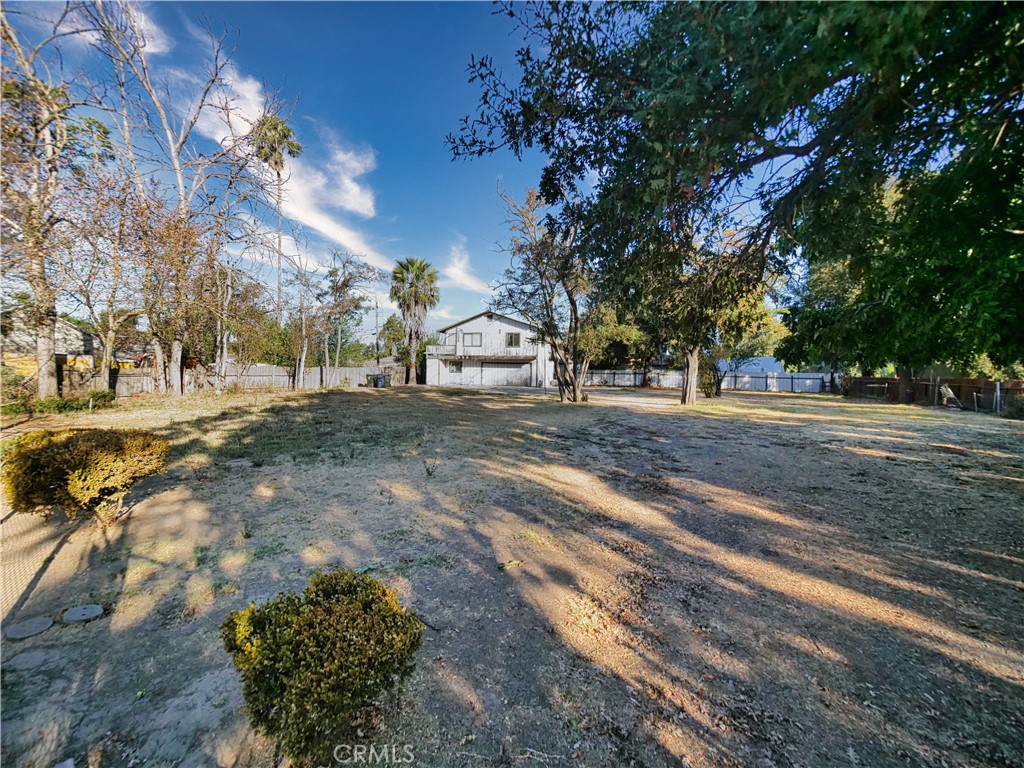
313 665
78 471
97 400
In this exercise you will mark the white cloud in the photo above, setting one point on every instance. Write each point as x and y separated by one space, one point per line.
157 42
302 205
443 313
458 273
311 195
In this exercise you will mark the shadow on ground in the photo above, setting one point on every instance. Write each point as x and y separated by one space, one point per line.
765 581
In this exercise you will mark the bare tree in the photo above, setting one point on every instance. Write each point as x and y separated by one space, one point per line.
149 114
37 147
105 261
547 284
343 296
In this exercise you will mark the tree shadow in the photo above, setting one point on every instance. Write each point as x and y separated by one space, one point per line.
605 585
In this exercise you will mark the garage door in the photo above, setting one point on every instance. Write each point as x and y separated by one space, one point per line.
507 374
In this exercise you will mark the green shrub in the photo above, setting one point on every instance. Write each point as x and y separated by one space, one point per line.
82 470
52 405
16 395
14 408
67 405
313 665
708 380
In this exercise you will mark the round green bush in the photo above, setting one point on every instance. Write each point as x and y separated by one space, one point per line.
313 665
78 470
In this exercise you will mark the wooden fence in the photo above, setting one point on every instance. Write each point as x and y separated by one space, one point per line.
135 381
974 394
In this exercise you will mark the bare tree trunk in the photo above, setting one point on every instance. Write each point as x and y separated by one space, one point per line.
46 353
175 368
301 377
337 350
326 382
161 366
691 361
107 359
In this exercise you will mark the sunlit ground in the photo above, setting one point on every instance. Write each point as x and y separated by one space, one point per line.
764 580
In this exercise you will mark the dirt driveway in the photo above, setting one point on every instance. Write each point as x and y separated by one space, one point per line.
766 580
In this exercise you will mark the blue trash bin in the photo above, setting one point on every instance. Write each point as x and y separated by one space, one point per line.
379 381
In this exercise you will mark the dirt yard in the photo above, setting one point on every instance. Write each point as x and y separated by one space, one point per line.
766 580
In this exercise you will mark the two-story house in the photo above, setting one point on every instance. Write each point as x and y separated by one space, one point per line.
489 350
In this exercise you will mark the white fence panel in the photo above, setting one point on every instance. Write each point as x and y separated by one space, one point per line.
745 382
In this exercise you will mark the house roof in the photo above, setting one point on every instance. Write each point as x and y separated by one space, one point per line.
489 314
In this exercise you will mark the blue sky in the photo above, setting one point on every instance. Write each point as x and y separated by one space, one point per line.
378 86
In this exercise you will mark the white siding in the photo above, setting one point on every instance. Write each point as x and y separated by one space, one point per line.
488 359
508 374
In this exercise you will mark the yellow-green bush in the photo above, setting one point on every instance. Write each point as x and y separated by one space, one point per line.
312 665
80 470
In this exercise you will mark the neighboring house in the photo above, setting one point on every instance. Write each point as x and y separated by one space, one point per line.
756 365
489 350
73 346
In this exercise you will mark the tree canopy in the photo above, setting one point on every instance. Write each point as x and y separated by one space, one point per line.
788 122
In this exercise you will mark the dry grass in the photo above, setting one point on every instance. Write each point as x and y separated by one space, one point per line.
765 580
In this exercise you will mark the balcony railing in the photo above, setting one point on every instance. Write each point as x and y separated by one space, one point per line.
487 350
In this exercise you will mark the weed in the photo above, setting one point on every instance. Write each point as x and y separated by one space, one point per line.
268 550
203 555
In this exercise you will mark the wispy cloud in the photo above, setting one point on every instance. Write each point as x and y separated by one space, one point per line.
458 273
314 192
157 42
443 313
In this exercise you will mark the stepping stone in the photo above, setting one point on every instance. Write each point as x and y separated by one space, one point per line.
32 659
29 628
86 612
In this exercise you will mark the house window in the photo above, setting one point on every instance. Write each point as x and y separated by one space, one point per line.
512 339
455 366
472 339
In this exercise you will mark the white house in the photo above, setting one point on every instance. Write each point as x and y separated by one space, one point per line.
489 350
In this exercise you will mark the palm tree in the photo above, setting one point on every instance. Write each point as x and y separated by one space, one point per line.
272 138
414 289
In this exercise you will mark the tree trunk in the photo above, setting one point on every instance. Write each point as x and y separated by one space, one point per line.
906 390
46 353
161 367
691 361
648 366
280 255
337 350
300 379
414 348
107 358
174 371
326 380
